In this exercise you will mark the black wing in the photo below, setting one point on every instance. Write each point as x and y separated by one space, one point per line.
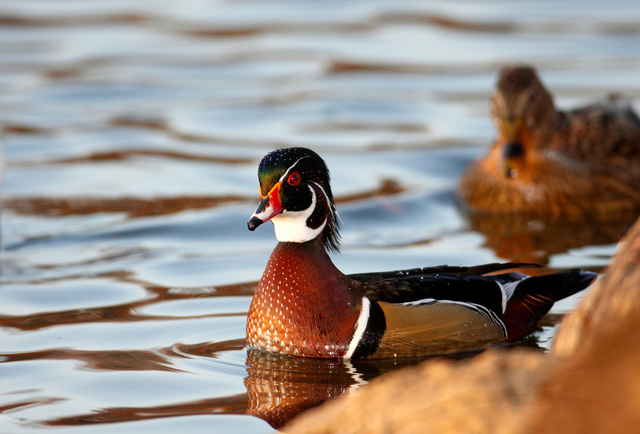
461 284
475 270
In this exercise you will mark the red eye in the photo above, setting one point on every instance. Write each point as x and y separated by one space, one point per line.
294 178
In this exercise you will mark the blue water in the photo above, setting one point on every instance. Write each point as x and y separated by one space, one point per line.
132 132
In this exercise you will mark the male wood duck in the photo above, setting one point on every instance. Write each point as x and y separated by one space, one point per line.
579 163
305 306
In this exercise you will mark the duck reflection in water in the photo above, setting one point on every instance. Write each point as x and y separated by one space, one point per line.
280 387
534 239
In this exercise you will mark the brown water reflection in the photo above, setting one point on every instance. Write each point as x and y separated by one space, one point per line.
525 239
129 360
133 207
236 404
280 387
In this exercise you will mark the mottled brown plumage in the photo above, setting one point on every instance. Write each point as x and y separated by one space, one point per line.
303 305
579 163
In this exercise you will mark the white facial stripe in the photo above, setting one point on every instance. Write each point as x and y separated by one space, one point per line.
360 328
283 177
291 226
265 214
329 204
323 192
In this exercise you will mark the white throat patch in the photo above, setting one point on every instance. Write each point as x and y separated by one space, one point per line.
291 226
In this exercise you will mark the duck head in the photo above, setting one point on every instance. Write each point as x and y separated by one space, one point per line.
296 196
524 115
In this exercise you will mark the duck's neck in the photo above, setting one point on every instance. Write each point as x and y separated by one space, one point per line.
303 304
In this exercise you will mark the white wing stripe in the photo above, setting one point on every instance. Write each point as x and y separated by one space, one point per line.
363 319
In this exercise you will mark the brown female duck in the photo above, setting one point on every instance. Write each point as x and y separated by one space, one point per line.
576 164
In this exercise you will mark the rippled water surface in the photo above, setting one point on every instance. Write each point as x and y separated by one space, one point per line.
132 132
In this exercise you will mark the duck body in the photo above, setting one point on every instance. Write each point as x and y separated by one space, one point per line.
305 306
579 163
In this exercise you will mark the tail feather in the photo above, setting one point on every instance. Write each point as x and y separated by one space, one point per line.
533 297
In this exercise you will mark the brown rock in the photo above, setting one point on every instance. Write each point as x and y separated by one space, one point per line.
590 383
613 298
595 391
595 387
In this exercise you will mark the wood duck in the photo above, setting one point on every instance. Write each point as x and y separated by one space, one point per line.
579 163
305 306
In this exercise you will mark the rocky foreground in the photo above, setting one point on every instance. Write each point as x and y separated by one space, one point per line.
589 383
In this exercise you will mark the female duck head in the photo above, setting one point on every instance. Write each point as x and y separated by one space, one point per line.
524 115
296 196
